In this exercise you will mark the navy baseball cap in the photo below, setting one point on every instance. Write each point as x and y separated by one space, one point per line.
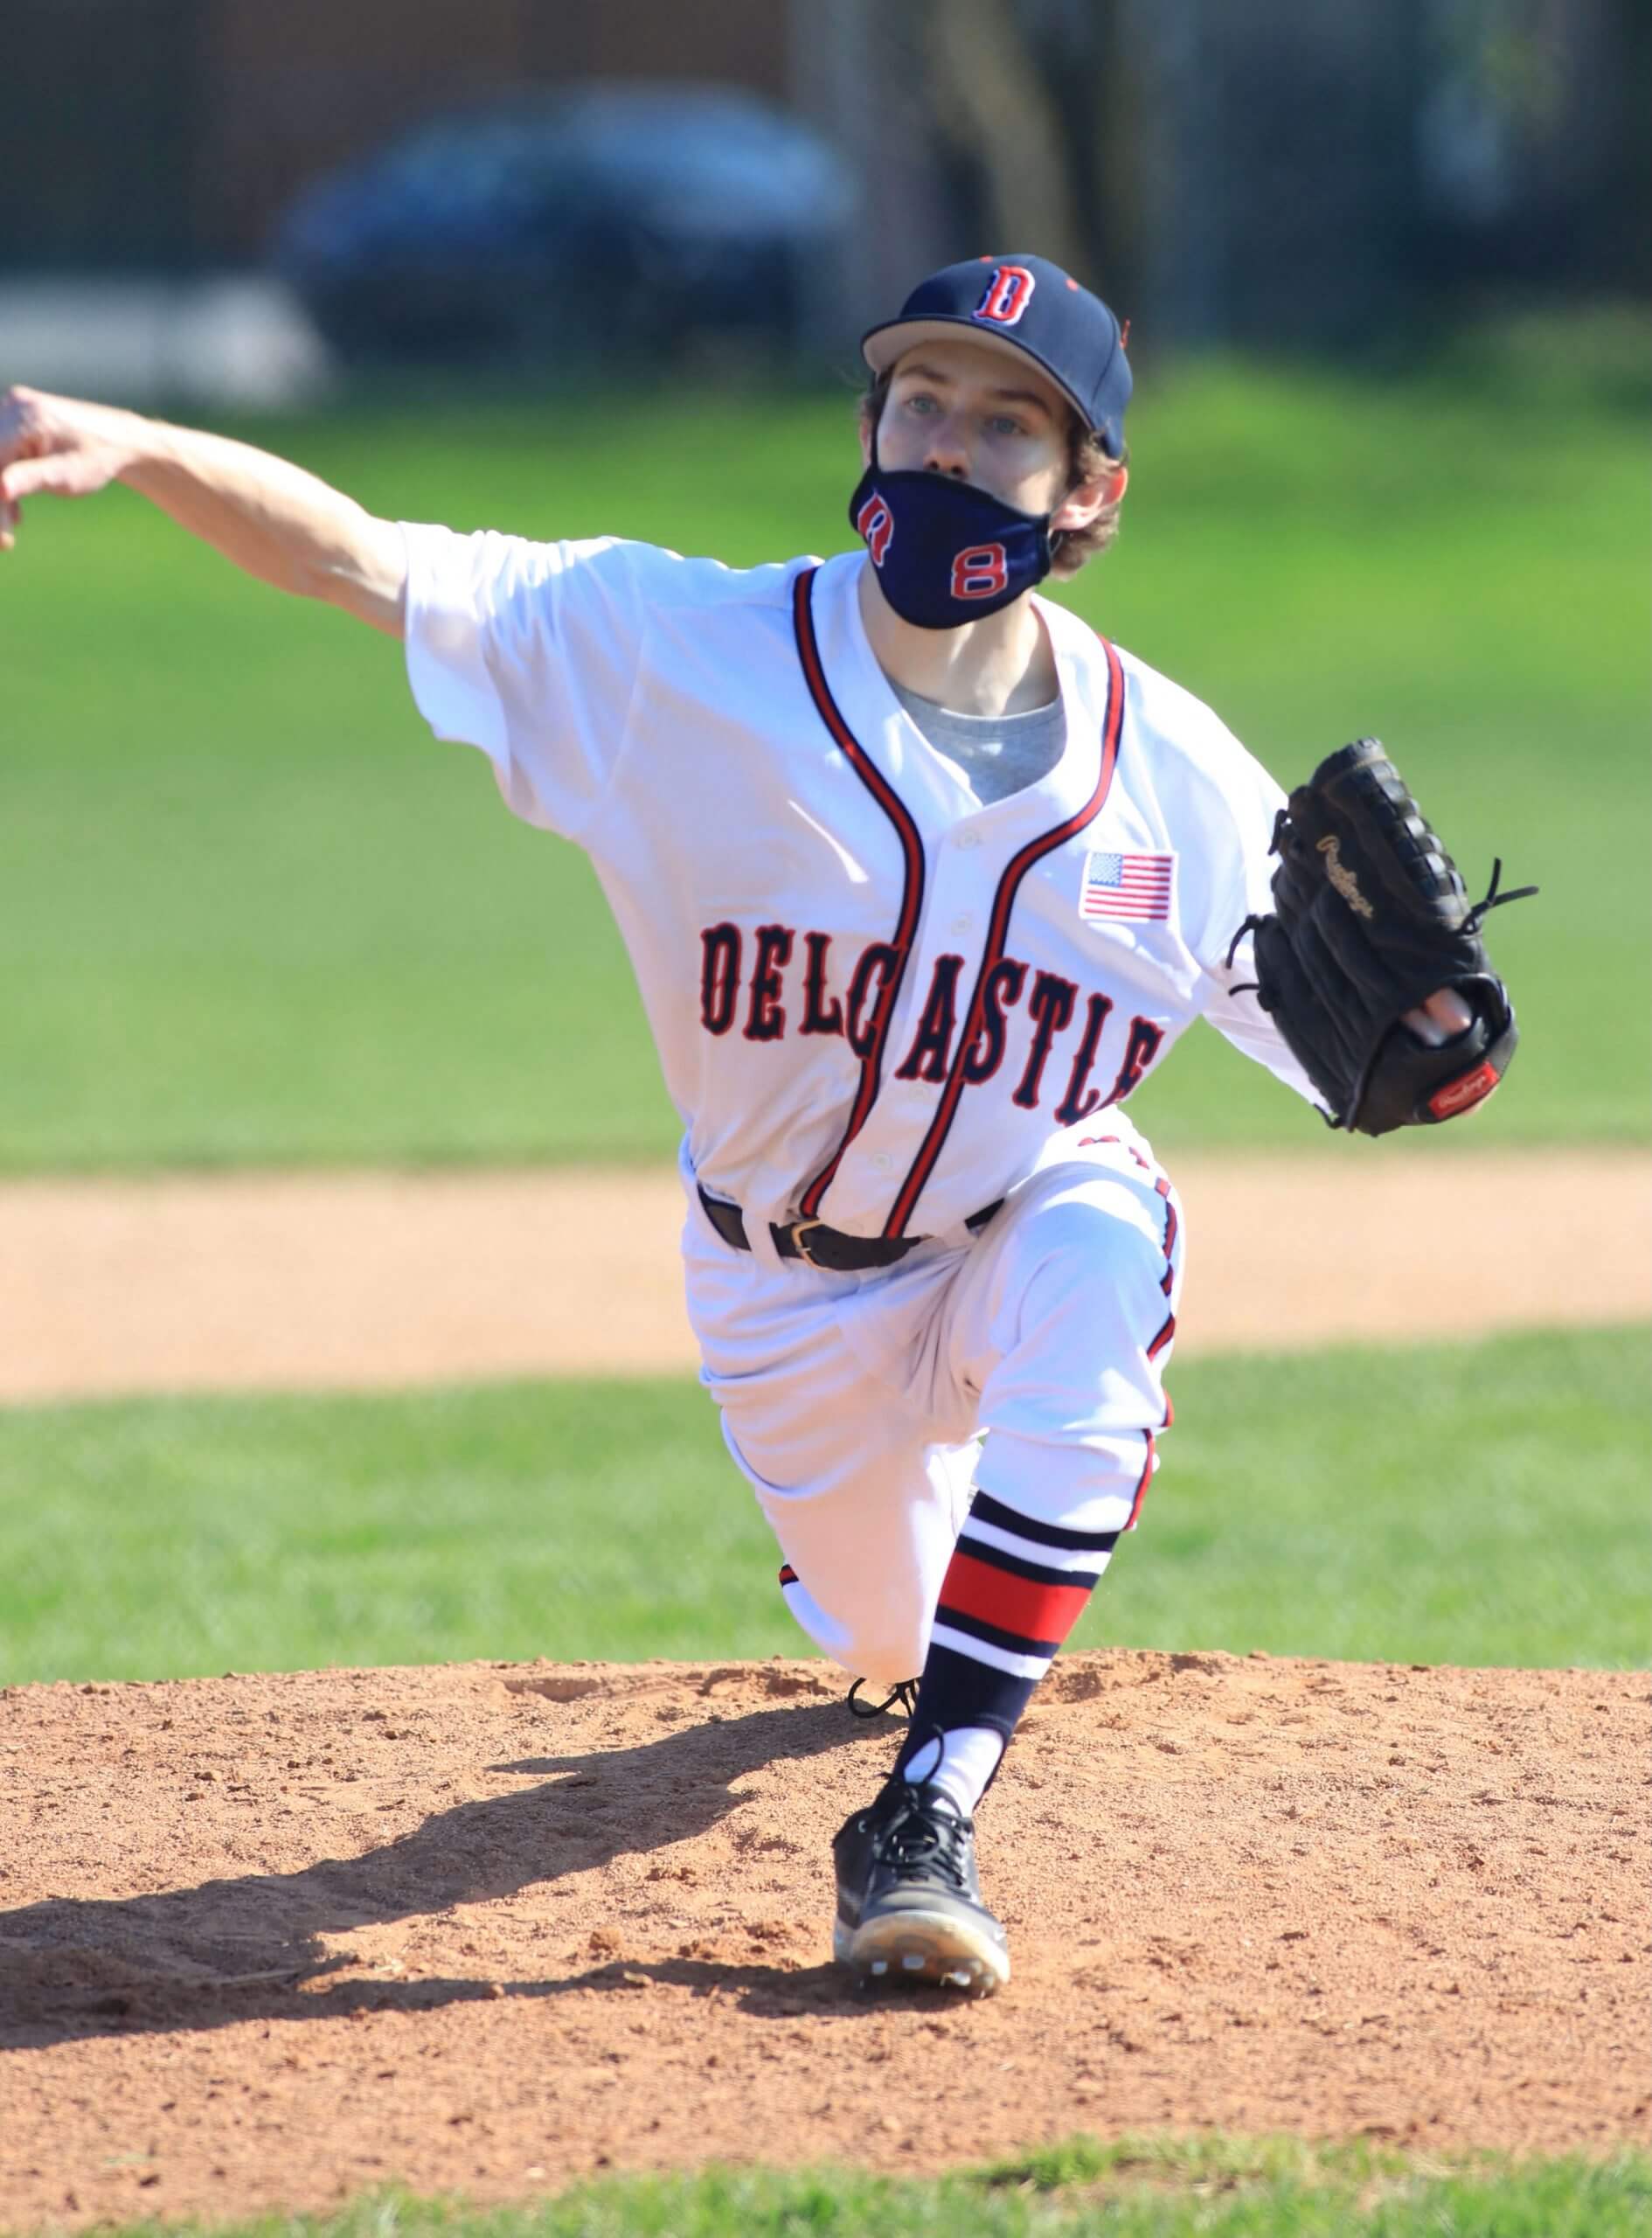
1029 305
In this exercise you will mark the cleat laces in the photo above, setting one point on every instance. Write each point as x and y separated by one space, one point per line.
906 1694
918 1837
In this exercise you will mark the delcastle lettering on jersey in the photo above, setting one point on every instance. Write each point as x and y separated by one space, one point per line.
767 981
876 1001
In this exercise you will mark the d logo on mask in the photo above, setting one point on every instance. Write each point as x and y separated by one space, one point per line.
877 523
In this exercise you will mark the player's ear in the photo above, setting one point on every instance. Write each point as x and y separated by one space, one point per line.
1086 500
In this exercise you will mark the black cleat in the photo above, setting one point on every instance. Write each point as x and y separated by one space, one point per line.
909 1906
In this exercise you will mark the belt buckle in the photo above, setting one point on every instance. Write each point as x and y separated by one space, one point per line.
801 1230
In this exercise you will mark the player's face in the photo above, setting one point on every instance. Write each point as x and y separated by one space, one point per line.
964 409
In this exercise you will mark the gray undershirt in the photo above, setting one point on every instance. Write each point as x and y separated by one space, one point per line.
998 754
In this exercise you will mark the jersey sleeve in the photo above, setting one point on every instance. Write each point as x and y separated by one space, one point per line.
1252 802
530 652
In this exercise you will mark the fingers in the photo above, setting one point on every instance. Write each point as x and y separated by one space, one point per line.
68 473
37 426
1449 1011
16 437
1441 1019
55 447
60 473
19 411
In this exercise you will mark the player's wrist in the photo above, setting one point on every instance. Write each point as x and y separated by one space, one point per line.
143 448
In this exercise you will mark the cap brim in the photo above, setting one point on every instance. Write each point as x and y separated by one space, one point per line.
883 345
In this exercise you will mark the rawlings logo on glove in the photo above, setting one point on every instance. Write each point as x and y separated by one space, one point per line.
1346 884
1369 920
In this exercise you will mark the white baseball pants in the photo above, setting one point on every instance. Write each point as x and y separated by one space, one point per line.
866 1409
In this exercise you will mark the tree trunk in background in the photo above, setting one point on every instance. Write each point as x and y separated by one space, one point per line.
991 103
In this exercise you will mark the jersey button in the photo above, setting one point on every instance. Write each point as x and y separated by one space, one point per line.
969 838
883 1163
962 924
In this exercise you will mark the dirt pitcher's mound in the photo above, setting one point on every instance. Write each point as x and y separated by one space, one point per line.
267 1940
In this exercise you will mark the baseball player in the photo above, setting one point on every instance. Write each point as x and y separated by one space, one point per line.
920 879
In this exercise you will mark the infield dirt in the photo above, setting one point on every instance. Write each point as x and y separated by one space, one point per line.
352 1281
268 1941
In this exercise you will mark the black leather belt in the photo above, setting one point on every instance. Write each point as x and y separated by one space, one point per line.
817 1245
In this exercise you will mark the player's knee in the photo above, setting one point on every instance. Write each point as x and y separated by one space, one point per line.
878 1633
886 1670
1100 1235
889 1647
1076 1349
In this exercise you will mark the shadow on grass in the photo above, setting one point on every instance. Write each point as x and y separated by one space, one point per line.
232 1950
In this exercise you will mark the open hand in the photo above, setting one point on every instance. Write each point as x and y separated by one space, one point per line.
58 446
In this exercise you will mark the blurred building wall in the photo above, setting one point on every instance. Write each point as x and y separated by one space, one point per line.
1298 171
171 132
291 87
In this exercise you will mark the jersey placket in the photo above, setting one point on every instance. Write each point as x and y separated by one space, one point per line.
1053 822
968 851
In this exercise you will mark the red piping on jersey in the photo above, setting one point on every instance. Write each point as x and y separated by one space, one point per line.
1142 1482
997 931
912 896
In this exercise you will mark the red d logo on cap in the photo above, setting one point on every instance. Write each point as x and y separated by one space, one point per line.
1007 295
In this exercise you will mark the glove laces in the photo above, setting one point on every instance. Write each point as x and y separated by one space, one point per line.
1251 924
1472 922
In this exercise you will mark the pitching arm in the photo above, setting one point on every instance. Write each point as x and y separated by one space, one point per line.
270 518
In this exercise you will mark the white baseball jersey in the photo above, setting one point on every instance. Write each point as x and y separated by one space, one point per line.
875 1001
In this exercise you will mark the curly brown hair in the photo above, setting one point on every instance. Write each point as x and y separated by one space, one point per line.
1087 461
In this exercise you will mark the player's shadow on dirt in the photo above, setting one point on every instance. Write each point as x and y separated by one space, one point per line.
233 1950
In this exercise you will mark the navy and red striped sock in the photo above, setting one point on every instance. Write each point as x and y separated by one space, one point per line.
1013 1590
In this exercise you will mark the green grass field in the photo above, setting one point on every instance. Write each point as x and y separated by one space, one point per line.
1135 2187
1472 1504
252 912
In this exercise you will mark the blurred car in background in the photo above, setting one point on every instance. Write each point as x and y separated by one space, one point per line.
621 221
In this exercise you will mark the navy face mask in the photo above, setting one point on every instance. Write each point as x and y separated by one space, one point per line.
946 552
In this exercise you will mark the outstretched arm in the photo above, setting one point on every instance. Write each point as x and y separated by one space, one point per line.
270 518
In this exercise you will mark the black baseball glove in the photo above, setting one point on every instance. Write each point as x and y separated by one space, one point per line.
1370 918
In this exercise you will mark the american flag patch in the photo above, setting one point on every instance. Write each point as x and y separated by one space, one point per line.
1131 886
